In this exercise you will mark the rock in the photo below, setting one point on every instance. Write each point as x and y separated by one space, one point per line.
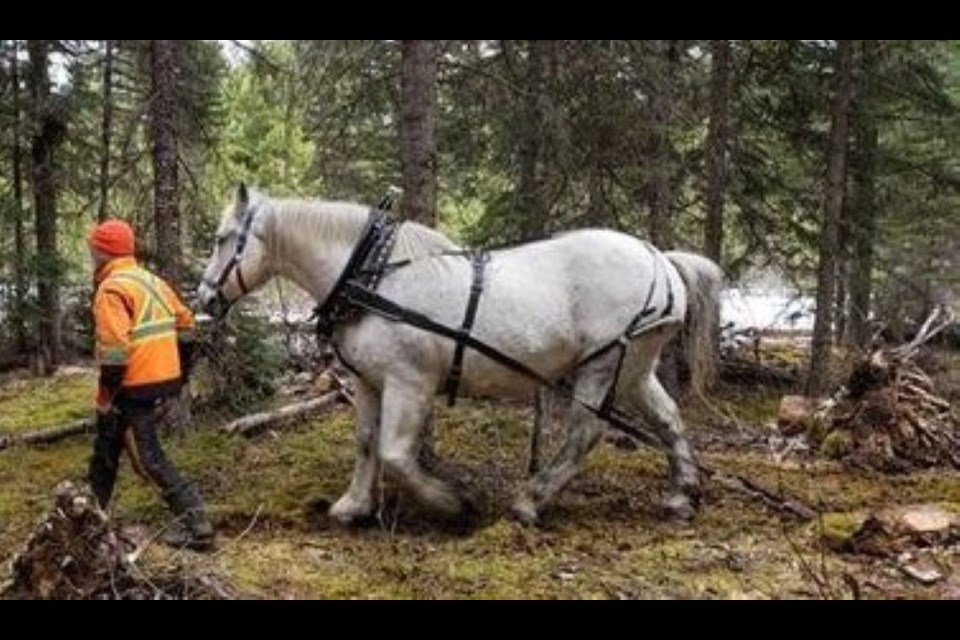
922 575
891 531
921 519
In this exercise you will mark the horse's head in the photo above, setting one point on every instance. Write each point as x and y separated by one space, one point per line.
240 262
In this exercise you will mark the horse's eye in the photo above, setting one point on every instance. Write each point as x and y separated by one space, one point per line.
221 240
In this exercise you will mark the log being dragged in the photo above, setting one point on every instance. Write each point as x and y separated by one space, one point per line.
257 423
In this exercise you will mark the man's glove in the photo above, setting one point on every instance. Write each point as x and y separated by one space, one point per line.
186 350
111 379
108 419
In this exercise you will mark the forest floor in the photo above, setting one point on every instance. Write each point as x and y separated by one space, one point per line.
604 537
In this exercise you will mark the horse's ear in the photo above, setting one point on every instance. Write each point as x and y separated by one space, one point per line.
242 196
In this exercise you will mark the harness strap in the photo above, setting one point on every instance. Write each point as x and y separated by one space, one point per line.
480 260
611 395
636 324
386 308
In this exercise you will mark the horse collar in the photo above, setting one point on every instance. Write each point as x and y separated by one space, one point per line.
365 268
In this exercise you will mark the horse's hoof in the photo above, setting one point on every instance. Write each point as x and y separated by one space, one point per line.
679 506
468 517
346 512
470 509
525 512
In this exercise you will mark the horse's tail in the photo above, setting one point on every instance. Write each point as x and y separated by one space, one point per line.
704 280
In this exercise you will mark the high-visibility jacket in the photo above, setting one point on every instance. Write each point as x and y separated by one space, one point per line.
139 320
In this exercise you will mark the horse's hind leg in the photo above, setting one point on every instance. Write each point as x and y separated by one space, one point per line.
583 433
642 391
405 411
358 502
551 411
661 412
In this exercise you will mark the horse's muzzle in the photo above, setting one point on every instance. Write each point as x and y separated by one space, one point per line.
212 302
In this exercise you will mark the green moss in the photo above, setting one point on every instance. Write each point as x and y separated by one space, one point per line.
838 529
35 403
819 431
837 444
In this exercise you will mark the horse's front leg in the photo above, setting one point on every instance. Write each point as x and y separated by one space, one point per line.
406 407
359 502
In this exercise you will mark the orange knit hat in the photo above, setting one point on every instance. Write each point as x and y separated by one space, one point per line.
113 237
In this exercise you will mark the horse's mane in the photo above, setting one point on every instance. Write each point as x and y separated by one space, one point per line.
342 221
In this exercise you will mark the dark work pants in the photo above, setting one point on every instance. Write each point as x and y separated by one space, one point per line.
141 417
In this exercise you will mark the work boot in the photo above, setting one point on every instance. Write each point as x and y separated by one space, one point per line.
192 530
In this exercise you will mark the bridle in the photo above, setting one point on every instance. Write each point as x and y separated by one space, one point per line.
234 264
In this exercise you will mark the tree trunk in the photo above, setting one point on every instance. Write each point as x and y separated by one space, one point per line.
163 119
418 156
717 136
418 130
596 201
19 243
530 186
864 173
843 255
843 271
48 130
660 196
105 130
833 204
661 161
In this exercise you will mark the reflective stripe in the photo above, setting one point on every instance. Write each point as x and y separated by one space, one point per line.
130 275
148 329
186 334
112 355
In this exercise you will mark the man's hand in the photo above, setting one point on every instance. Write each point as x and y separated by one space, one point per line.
108 419
106 410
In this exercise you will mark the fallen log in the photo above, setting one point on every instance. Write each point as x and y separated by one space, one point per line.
742 371
51 435
257 423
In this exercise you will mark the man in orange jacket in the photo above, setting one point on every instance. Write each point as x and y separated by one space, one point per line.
143 348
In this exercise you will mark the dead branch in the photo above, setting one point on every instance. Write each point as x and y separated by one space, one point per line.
255 424
927 331
892 419
769 498
48 436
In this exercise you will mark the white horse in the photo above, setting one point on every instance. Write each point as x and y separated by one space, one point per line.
547 304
